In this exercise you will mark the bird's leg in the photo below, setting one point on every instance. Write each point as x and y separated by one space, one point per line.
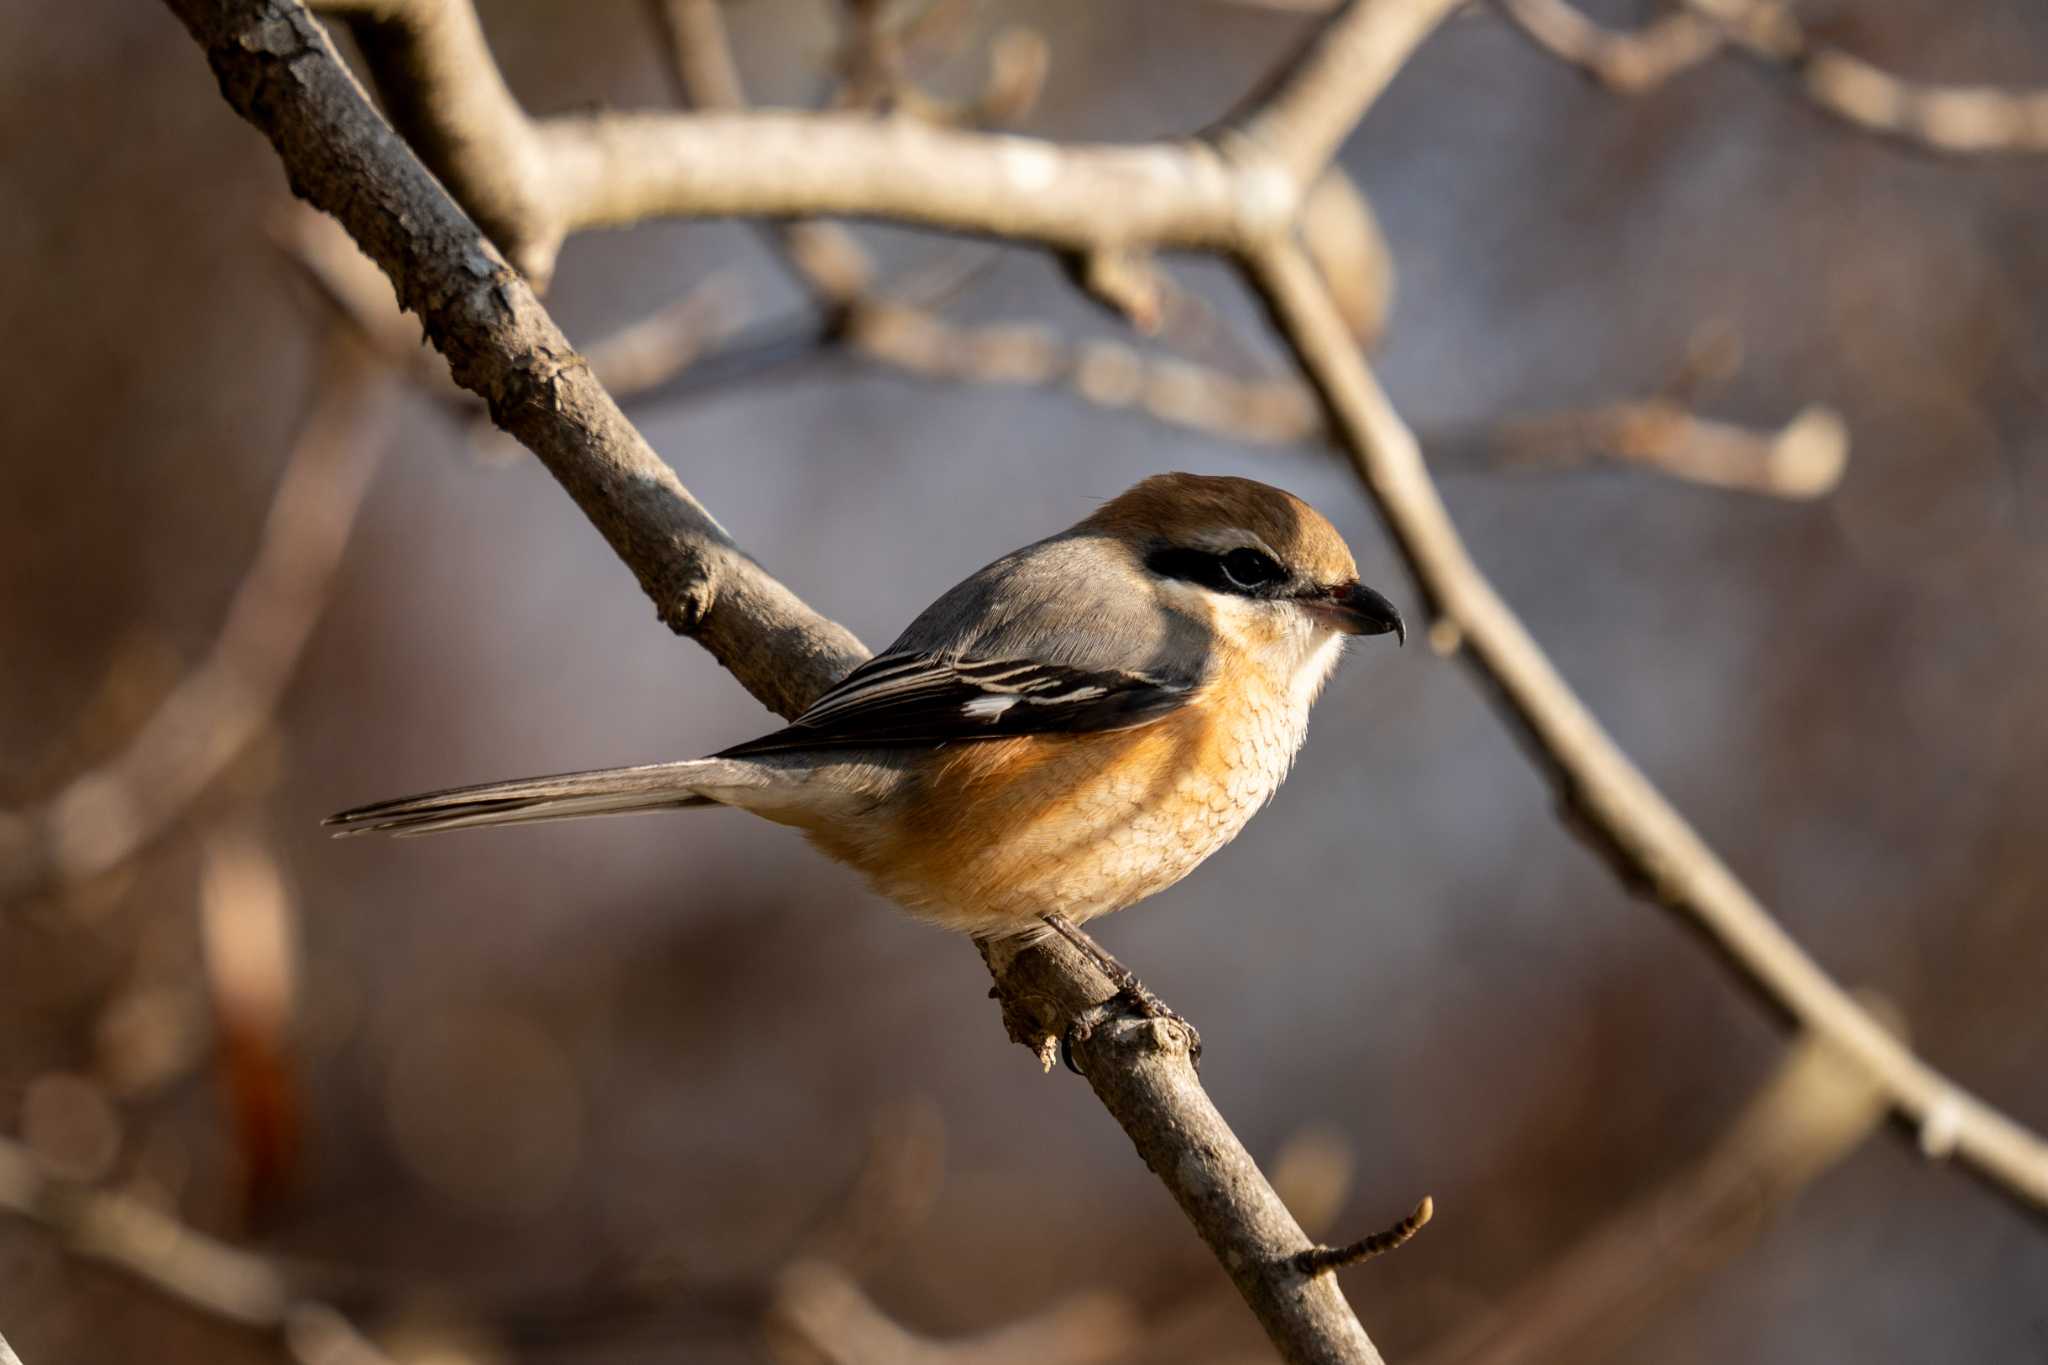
1128 989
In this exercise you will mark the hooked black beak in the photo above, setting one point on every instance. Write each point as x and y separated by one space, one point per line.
1357 610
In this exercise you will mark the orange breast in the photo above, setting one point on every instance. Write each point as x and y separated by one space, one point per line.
1009 830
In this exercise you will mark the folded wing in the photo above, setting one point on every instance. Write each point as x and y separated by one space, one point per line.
919 699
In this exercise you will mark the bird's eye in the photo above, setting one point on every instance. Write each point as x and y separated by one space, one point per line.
1249 568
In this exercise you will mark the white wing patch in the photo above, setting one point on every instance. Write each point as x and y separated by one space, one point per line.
932 700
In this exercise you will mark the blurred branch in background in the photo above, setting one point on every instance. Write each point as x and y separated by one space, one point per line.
105 816
892 329
1958 119
1583 1306
1237 194
1628 61
277 68
1953 119
820 1313
205 1275
1602 795
1804 459
891 1194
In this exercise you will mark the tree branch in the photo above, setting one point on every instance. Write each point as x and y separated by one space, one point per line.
502 345
1306 111
1587 1299
1803 459
1602 794
277 69
179 1262
826 1308
1140 1070
1958 120
104 816
1628 62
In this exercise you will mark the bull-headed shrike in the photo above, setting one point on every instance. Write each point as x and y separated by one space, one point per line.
1068 731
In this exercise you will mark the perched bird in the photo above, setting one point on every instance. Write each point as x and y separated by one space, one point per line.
1068 731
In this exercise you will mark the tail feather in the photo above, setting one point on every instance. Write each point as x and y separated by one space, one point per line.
564 796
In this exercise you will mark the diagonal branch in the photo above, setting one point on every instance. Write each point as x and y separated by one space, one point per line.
1815 1109
277 69
179 1262
276 65
1602 793
1236 195
107 814
1959 120
1310 106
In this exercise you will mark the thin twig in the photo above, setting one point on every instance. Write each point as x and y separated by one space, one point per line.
1952 119
1310 106
1108 374
1321 1260
1628 62
901 334
1803 459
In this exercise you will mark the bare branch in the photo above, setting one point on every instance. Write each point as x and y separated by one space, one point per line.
831 264
1321 1260
1105 373
826 1308
103 817
572 173
1803 459
503 346
667 341
1306 112
205 1275
277 69
1140 1070
1343 237
607 170
1603 794
1952 119
1626 62
1815 1109
442 86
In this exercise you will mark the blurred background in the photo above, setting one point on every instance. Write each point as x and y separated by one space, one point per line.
678 1089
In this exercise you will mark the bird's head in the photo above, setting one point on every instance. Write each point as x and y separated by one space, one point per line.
1263 568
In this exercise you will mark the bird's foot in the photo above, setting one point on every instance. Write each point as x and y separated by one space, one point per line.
1133 999
1131 996
1143 1003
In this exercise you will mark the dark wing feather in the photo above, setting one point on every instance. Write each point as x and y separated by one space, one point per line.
914 699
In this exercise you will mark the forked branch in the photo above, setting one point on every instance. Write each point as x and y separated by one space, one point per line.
1239 192
277 68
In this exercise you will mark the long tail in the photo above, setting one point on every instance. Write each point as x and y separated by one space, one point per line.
565 796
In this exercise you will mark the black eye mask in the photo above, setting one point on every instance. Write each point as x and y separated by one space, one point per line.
1243 572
